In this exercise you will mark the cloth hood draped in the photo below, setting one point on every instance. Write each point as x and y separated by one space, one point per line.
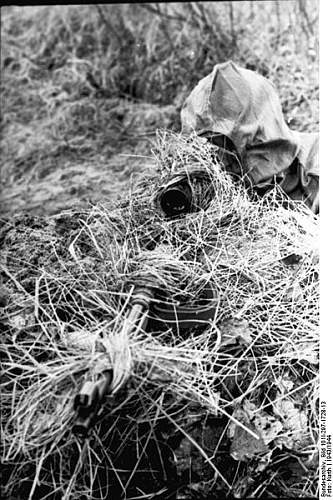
244 106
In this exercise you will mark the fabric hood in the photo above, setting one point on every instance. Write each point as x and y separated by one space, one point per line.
244 106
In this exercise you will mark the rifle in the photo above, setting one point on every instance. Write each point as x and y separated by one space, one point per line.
88 403
184 192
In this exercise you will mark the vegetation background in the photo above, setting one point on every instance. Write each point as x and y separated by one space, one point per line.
84 87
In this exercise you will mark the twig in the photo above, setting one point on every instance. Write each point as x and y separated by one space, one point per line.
107 23
231 19
303 11
158 12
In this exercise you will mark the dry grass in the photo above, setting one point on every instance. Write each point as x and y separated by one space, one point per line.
81 84
254 367
83 89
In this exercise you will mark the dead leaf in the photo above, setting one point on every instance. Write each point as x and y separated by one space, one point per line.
303 351
284 384
21 321
235 331
293 293
295 425
268 426
245 446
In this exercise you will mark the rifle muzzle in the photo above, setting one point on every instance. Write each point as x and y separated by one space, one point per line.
88 401
176 199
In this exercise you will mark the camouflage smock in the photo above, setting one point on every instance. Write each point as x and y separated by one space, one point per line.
244 106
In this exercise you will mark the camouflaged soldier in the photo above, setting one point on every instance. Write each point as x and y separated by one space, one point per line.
239 111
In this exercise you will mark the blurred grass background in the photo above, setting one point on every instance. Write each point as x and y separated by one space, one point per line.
84 87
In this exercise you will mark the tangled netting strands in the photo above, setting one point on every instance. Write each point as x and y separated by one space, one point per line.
242 247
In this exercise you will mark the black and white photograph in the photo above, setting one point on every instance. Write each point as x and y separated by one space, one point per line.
160 257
